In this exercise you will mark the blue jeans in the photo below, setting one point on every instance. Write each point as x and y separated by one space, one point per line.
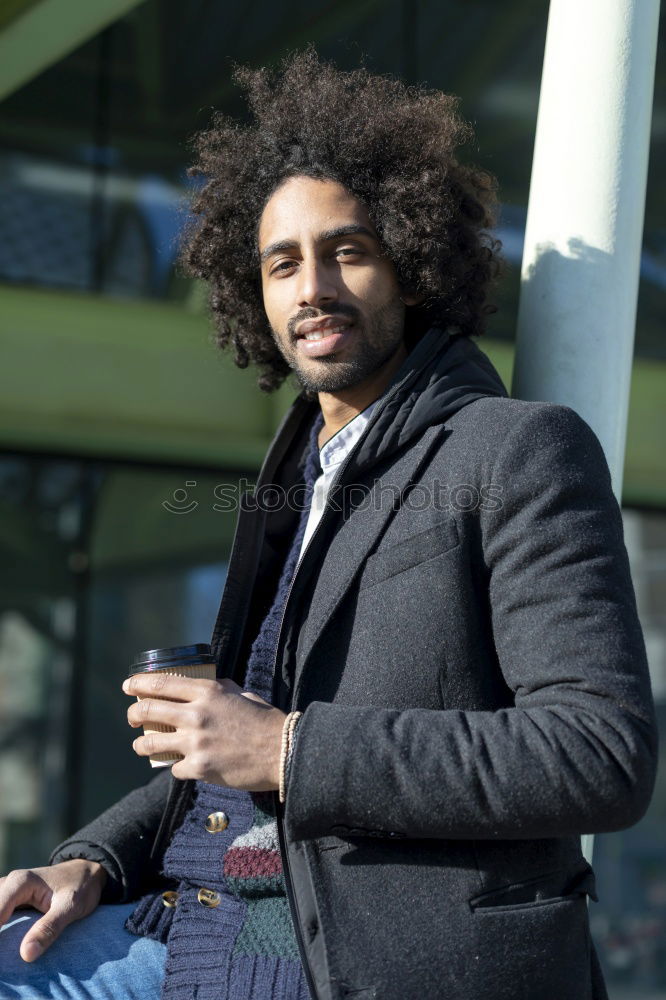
93 959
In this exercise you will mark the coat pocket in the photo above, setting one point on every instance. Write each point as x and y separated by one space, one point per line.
533 937
530 951
546 889
409 552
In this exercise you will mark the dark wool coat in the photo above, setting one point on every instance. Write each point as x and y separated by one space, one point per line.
463 639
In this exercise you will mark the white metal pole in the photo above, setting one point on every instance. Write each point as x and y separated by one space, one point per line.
585 220
581 260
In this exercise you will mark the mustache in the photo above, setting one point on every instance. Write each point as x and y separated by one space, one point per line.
340 309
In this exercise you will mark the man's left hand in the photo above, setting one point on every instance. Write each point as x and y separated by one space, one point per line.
225 735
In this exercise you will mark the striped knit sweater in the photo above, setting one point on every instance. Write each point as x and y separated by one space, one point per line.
243 946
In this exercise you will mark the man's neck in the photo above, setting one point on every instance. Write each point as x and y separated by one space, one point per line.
338 408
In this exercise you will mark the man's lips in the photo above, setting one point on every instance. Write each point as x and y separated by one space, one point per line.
329 323
333 333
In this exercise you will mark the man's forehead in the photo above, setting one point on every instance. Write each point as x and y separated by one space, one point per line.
304 208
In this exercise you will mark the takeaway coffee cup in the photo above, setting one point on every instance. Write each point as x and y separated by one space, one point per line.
183 661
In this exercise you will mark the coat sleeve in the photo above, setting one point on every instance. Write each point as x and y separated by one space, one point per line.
576 751
121 839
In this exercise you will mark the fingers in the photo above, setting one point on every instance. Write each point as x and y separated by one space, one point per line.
62 892
22 888
154 743
166 713
48 928
161 685
182 769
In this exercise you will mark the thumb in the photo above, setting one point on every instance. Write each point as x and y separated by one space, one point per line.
46 930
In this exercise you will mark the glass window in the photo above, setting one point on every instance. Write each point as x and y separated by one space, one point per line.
98 562
629 921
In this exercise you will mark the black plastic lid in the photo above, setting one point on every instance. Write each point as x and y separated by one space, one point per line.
157 659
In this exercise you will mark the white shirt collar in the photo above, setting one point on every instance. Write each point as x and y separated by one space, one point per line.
338 447
331 455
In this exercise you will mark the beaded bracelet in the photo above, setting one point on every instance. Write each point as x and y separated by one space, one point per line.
290 752
288 730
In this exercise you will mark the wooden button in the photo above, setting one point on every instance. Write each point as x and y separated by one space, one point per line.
209 898
170 899
217 822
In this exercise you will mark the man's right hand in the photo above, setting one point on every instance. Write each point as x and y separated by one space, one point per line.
63 893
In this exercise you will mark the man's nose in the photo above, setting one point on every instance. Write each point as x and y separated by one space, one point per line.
316 284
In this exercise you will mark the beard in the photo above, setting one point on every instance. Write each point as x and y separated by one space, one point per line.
376 340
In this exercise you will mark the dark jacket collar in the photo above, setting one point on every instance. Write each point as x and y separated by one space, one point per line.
442 373
440 376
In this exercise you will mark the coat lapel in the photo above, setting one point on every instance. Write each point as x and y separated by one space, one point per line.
352 542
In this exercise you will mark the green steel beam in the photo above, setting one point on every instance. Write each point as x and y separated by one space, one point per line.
141 380
11 9
125 379
39 33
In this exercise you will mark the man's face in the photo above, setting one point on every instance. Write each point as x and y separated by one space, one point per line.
332 299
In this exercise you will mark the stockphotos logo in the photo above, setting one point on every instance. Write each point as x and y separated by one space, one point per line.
180 502
451 497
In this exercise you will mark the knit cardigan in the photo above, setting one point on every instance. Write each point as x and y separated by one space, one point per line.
243 947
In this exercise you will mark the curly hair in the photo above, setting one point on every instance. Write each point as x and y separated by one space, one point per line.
391 146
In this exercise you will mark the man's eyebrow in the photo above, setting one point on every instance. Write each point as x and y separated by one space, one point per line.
350 230
329 234
273 248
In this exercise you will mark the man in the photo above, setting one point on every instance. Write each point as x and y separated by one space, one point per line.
435 654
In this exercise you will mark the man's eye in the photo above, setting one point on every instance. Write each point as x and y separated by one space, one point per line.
348 251
284 265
